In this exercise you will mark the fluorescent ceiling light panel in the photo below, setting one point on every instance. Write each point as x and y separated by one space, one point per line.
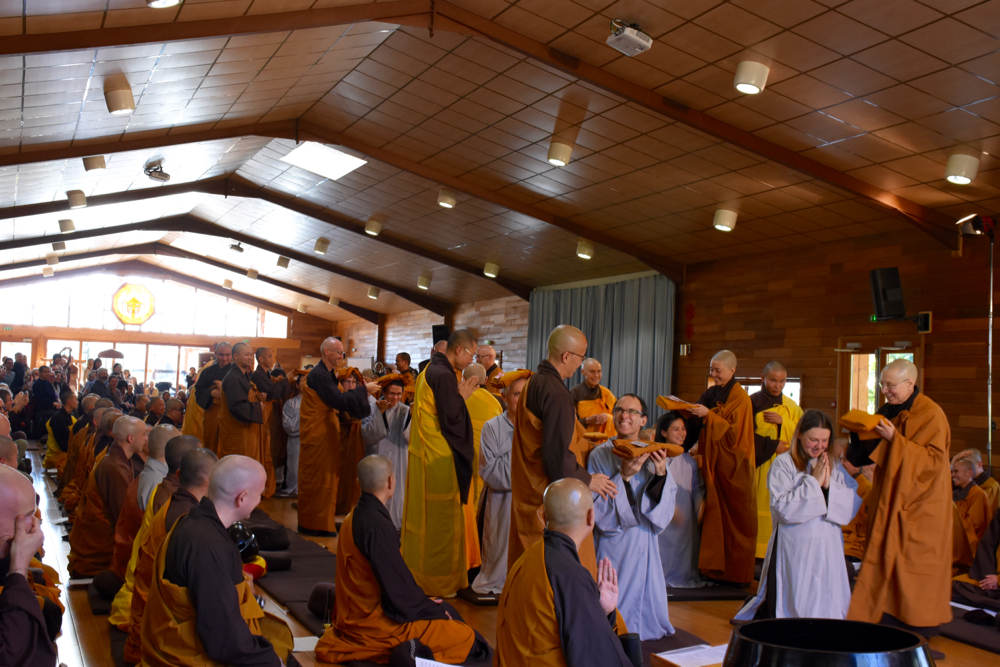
323 160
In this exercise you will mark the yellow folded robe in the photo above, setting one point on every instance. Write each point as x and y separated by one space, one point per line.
633 449
668 404
862 423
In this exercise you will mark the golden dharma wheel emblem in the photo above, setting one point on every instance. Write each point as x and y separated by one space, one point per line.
133 304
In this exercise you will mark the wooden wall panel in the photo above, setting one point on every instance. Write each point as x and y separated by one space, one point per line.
794 306
309 331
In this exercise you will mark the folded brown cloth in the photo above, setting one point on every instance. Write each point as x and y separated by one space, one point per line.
405 378
633 449
862 423
508 379
344 373
668 404
595 436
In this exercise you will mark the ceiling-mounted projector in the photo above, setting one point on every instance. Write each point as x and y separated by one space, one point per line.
156 173
628 39
236 247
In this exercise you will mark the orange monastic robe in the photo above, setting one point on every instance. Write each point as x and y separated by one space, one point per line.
729 530
352 450
150 541
246 438
992 490
319 461
129 522
973 512
82 465
76 442
92 539
603 405
194 414
362 631
856 532
906 571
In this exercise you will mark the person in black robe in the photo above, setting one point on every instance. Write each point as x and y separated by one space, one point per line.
202 557
62 422
214 373
277 390
139 411
24 638
236 387
173 414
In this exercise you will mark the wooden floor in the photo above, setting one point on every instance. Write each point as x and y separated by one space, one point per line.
84 641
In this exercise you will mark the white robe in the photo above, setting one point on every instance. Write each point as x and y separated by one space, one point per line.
681 540
807 542
388 434
627 535
495 444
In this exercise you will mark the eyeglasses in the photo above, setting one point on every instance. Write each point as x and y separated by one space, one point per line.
582 356
887 386
631 413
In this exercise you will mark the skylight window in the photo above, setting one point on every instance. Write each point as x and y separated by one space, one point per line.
323 160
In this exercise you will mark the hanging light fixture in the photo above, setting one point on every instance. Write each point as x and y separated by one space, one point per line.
584 249
725 220
559 153
373 292
751 77
227 284
76 199
59 245
961 168
302 308
66 226
51 260
47 271
322 245
252 274
373 226
446 198
334 301
491 270
94 163
424 281
283 262
118 97
159 4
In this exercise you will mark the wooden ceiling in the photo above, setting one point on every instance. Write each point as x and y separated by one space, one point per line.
864 103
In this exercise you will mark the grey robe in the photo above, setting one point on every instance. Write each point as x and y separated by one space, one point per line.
495 444
681 540
627 535
388 434
807 542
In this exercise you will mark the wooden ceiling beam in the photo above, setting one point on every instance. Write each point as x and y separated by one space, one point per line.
936 224
202 29
135 266
213 186
240 187
668 267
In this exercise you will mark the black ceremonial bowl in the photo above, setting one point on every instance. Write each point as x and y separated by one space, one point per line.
816 642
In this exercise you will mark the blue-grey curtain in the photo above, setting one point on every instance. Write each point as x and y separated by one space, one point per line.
629 327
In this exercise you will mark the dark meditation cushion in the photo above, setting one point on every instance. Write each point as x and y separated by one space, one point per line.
406 653
979 617
321 600
270 538
53 616
108 584
277 561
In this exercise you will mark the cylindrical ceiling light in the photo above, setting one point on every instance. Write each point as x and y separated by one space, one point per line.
751 77
446 198
584 249
373 292
159 4
59 245
302 308
51 260
424 282
491 270
334 301
47 271
252 274
559 153
961 168
373 226
725 220
94 163
66 226
322 245
227 284
118 97
283 262
76 199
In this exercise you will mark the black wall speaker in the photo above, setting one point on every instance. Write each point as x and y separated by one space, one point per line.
439 332
887 294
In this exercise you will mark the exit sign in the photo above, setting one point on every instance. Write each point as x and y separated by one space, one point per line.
7 328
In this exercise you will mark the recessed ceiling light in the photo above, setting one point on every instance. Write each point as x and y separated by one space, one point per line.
373 226
424 282
961 168
51 260
373 292
118 97
334 301
322 245
584 249
491 270
323 160
227 284
252 274
94 163
302 308
47 271
283 262
751 77
559 153
725 220
447 199
76 199
59 245
66 226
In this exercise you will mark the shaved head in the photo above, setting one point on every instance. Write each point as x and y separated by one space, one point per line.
723 368
108 420
333 344
196 467
130 434
177 447
97 417
462 338
104 403
898 381
973 456
567 502
963 464
726 357
565 338
8 452
374 473
158 439
89 402
902 369
590 363
477 371
174 404
17 499
234 476
774 367
440 346
4 425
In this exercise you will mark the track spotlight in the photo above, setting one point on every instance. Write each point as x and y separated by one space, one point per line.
252 274
491 270
66 226
156 173
373 226
59 245
447 199
118 97
227 284
76 199
47 271
334 301
302 308
51 260
373 292
559 153
961 168
94 163
322 245
584 249
751 77
725 220
283 262
424 282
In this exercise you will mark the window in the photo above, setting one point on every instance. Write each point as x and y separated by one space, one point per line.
162 365
134 360
59 347
209 314
189 358
89 350
273 325
793 387
241 319
9 349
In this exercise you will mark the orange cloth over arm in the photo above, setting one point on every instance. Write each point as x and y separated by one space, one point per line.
129 522
352 448
856 532
729 530
906 570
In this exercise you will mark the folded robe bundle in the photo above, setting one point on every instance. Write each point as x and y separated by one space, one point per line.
409 386
507 379
862 423
595 436
669 404
632 449
345 373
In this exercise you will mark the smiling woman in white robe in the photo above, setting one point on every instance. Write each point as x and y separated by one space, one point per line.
628 524
388 434
805 574
681 540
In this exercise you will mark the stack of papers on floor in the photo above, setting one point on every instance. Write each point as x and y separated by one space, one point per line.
694 656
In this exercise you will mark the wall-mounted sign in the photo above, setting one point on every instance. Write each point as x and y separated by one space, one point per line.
133 304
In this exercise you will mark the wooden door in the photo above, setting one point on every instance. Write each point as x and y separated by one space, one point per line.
860 363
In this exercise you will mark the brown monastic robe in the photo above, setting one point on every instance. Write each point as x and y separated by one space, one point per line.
856 532
972 507
241 424
76 442
92 539
352 448
82 465
906 570
129 522
24 640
